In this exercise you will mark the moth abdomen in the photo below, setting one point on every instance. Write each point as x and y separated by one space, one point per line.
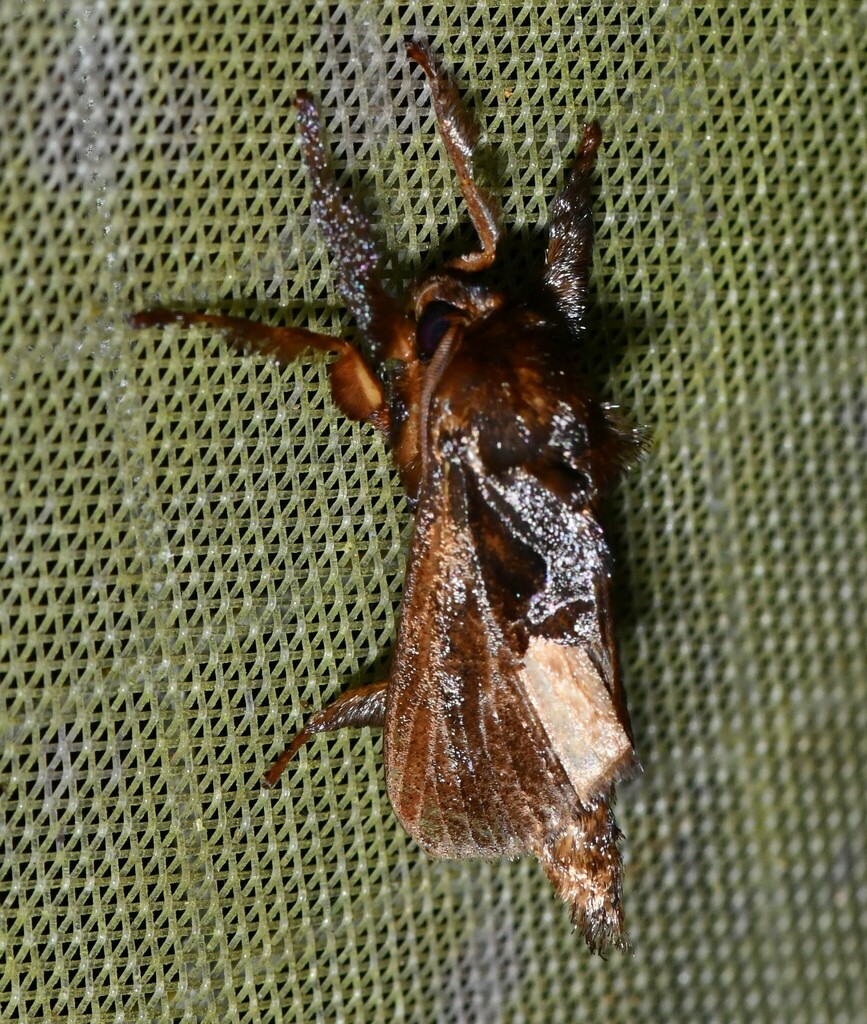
582 862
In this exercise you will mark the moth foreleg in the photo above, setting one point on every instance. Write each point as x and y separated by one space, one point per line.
359 707
460 134
570 246
385 330
356 389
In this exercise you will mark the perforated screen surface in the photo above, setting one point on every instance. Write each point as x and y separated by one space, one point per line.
196 549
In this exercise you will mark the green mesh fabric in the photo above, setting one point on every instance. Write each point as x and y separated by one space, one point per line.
196 549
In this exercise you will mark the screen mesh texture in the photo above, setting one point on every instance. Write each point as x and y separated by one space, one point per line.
197 549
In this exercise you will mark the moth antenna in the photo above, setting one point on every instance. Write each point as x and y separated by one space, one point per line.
460 133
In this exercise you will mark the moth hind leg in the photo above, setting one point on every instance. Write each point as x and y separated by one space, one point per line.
357 390
359 707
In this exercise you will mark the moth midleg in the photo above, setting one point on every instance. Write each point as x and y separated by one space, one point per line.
359 707
356 389
460 134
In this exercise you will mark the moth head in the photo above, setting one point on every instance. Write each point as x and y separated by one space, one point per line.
445 301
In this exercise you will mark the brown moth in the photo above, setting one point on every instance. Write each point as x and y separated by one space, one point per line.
505 719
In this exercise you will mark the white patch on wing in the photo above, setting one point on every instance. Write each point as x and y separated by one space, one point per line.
578 715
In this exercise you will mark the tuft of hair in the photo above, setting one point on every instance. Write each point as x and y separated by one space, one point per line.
582 862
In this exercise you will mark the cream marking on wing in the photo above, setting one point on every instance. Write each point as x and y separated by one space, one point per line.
578 715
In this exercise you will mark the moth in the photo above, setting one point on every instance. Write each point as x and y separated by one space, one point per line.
505 720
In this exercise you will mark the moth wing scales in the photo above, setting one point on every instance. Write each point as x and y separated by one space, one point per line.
462 743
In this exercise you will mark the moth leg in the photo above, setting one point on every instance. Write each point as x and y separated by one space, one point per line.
386 331
356 389
460 134
361 706
570 246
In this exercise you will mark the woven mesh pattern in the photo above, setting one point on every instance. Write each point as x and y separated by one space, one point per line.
197 549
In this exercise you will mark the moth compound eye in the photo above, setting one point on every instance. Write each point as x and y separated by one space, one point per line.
435 320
